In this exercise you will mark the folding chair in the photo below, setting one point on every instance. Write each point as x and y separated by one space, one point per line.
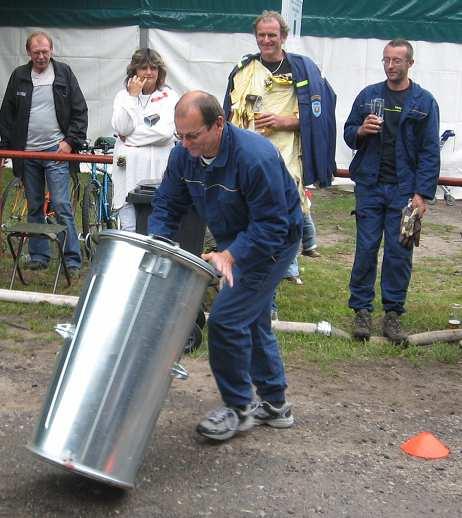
23 231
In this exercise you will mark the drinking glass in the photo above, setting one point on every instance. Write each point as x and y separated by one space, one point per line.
455 316
377 107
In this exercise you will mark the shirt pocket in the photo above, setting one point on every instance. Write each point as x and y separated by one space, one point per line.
233 207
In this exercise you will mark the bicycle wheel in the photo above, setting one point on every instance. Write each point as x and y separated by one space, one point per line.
91 222
13 203
112 222
74 189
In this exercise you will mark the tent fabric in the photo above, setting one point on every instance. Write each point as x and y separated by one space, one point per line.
429 20
203 60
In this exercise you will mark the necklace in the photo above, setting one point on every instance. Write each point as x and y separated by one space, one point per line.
277 68
142 96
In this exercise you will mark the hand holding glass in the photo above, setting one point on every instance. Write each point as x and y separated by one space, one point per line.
377 108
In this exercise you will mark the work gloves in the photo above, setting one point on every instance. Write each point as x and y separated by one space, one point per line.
410 226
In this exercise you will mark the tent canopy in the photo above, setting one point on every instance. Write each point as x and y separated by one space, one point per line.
425 20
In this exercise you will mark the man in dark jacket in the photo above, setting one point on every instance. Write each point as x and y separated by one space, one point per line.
44 110
240 187
397 162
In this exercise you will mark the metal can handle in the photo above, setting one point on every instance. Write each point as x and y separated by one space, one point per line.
179 372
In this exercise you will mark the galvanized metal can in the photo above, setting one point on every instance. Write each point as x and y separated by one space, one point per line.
134 315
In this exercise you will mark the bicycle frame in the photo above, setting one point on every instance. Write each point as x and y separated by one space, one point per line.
103 186
448 197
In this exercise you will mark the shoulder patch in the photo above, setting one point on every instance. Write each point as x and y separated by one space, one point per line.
316 107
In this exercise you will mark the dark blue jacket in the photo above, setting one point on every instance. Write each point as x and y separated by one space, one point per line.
246 196
417 142
70 106
316 104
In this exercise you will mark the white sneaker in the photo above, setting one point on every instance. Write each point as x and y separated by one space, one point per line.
266 413
225 422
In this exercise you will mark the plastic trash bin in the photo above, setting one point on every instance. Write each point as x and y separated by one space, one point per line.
192 229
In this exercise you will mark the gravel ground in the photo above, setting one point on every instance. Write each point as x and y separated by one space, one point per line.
341 459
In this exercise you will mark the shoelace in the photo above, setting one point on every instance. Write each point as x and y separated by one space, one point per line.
362 320
394 324
218 415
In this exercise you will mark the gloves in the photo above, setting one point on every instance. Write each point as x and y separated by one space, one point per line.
410 227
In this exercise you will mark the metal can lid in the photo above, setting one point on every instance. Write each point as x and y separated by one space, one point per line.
158 244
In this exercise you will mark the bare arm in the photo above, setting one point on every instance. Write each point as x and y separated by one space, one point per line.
277 122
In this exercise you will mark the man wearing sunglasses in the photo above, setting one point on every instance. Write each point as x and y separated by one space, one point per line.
397 160
240 187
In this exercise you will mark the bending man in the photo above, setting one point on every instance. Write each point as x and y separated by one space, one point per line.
240 186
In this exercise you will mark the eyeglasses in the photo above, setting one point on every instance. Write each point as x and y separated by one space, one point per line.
394 61
192 135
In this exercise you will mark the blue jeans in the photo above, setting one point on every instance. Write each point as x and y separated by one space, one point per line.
57 181
292 271
243 350
378 213
308 233
308 243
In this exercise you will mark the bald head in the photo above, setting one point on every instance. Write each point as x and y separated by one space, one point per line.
200 102
199 122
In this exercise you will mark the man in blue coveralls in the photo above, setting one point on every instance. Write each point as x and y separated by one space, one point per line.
397 160
239 185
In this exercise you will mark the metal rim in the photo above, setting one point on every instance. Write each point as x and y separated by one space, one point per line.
154 245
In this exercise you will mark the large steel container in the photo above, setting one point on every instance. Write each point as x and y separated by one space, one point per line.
134 315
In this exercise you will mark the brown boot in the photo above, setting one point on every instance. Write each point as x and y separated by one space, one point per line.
362 325
391 328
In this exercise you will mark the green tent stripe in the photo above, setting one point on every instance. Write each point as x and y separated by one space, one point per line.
428 20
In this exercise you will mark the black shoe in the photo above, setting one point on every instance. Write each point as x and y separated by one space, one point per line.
391 328
362 325
311 253
36 265
295 280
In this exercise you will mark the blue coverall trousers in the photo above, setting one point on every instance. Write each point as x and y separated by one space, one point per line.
378 213
243 350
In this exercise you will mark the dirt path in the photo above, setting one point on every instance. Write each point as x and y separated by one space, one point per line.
341 459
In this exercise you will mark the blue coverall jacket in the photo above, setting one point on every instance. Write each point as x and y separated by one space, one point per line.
417 142
252 207
246 196
316 102
379 205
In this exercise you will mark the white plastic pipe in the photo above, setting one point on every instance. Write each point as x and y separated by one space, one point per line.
32 297
324 328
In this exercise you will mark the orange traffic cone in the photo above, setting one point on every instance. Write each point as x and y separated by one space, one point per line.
426 446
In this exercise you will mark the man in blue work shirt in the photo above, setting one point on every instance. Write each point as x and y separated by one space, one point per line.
239 185
397 160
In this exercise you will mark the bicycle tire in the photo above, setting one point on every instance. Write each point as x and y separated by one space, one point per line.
13 203
74 184
91 224
194 340
112 223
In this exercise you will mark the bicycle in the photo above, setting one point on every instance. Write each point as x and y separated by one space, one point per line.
448 197
97 213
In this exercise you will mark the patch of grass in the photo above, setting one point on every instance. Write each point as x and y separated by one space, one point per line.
436 283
